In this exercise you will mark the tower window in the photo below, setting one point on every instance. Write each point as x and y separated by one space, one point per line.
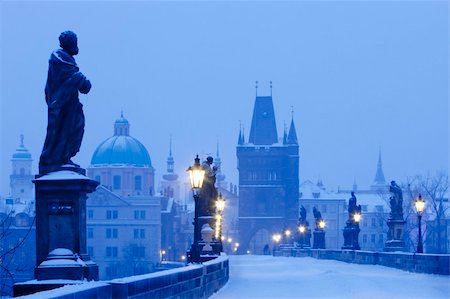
116 182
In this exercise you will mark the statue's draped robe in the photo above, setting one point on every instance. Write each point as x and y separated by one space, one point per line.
65 127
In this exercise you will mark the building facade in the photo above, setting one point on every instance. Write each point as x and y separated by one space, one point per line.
268 178
123 215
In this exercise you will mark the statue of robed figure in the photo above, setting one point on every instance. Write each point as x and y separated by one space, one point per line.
65 127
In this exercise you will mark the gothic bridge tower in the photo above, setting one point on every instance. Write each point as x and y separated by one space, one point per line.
268 179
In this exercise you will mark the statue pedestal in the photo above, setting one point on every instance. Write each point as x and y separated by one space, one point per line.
351 235
395 237
61 230
319 239
61 226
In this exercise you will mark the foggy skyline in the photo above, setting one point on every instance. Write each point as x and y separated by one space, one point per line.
360 77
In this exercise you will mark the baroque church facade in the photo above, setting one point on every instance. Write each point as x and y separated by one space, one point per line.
123 215
268 179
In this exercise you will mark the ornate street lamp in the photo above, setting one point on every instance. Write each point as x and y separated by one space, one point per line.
302 231
357 217
220 207
196 174
419 204
322 224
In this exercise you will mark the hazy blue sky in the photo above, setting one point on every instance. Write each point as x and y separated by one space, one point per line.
360 75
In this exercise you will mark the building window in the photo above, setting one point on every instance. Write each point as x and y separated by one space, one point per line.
364 208
112 233
324 208
139 215
364 238
112 214
138 183
90 214
364 222
142 233
22 171
380 238
90 251
116 182
381 222
97 178
372 238
108 233
115 233
374 222
136 233
111 251
90 233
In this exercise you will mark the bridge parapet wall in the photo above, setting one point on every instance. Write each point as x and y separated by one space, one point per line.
193 281
413 262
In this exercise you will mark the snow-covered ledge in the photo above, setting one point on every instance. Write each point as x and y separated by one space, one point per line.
192 281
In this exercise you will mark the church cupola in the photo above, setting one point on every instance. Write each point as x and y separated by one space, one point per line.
21 177
121 126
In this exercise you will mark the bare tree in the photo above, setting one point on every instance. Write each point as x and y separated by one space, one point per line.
13 255
434 189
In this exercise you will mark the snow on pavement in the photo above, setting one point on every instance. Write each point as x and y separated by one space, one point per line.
253 276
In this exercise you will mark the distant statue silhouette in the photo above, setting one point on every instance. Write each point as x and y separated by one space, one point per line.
65 127
302 214
396 201
208 193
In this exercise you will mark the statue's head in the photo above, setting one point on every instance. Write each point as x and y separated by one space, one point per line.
353 193
209 159
69 42
393 183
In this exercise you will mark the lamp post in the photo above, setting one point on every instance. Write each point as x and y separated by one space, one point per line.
419 204
196 174
302 230
220 207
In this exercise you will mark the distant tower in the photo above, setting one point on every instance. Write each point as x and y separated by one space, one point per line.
218 162
379 182
268 179
170 185
21 177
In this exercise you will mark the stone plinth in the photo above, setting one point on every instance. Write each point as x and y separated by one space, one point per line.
351 235
61 226
319 239
395 237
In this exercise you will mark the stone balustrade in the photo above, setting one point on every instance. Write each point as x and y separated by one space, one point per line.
192 281
413 262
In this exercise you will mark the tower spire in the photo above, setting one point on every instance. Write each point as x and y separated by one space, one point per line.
256 87
379 180
292 136
270 88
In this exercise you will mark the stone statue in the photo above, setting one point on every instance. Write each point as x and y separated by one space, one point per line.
208 193
302 214
65 127
317 216
396 201
353 208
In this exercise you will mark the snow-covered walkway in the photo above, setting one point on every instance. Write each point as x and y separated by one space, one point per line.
287 277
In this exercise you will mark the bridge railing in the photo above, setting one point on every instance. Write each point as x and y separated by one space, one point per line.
413 262
193 281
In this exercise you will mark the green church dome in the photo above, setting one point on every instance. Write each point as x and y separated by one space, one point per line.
121 149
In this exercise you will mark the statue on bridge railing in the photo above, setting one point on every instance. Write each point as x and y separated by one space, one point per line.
65 127
208 193
396 201
318 217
